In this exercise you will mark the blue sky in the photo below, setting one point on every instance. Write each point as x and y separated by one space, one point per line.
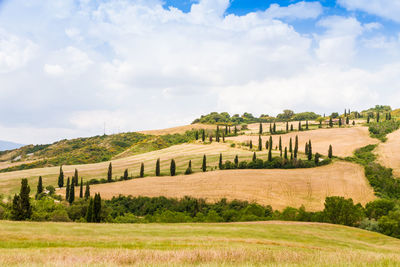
69 66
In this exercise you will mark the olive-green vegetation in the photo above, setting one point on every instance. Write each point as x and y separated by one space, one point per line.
381 129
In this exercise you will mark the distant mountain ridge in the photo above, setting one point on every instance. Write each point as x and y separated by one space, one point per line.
6 145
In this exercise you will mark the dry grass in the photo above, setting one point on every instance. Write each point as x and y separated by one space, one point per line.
343 140
389 152
180 129
233 244
278 188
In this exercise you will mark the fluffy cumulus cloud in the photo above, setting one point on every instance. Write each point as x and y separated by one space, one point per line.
76 66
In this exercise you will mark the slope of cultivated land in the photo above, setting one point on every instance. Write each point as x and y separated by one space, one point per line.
344 140
180 129
278 188
389 152
280 126
10 181
225 244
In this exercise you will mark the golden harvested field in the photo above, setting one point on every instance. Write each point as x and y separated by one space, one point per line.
10 181
180 129
278 188
389 152
203 244
343 140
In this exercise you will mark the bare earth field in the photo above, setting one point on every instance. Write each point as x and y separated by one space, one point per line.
343 140
278 188
223 244
180 129
389 152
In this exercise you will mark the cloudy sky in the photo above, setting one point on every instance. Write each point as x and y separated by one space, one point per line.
69 66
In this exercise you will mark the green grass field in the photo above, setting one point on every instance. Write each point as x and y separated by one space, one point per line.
238 244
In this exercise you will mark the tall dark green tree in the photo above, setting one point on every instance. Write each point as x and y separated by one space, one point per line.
126 174
210 138
309 150
377 117
290 145
109 173
271 131
306 148
217 134
204 164
39 187
61 178
254 156
220 161
259 143
347 120
274 128
21 208
368 119
235 131
340 122
67 188
172 168
71 194
203 135
270 144
223 137
158 168
226 129
89 211
189 168
260 129
306 124
75 179
296 147
87 191
291 127
300 129
280 143
330 122
287 126
81 189
266 144
270 153
141 173
316 159
251 144
236 161
285 155
330 152
196 135
97 208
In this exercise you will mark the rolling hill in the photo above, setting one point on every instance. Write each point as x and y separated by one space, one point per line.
6 145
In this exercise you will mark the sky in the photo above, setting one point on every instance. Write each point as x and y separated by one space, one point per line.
72 68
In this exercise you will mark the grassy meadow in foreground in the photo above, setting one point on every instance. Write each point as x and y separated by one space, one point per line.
271 243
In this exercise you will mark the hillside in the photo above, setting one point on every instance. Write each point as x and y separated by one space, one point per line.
6 145
224 244
278 188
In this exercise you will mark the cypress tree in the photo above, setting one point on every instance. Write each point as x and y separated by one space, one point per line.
306 148
229 129
251 144
270 142
254 157
330 152
223 137
390 116
236 161
296 146
172 168
306 124
196 135
39 187
204 164
285 156
189 168
87 191
274 129
235 130
377 117
226 129
211 139
75 178
71 194
300 129
287 126
260 130
203 135
316 159
354 123
266 144
126 174
280 143
347 120
97 208
270 153
141 173
220 161
109 173
158 170
61 178
217 134
320 124
345 112
81 189
67 188
340 122
89 211
368 119
309 150
290 145
291 127
259 143
330 122
21 208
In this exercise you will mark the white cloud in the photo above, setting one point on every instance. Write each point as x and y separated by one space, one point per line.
389 9
300 10
53 69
